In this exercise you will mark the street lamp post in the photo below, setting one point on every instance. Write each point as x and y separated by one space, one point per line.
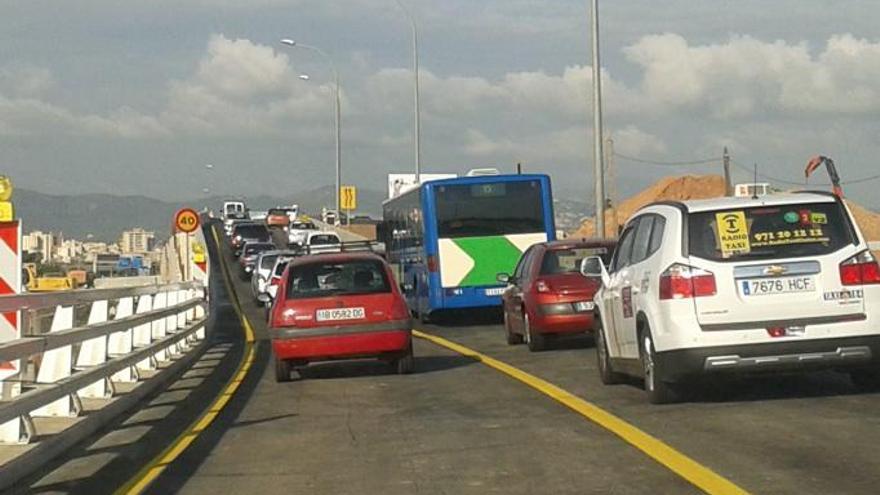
599 171
206 190
337 117
417 117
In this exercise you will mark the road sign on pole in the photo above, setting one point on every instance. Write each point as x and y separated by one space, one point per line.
348 197
186 220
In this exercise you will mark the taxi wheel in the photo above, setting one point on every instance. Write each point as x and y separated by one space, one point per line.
535 340
606 373
866 380
512 338
659 391
282 370
406 364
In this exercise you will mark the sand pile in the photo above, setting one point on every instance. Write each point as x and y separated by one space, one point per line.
666 189
702 187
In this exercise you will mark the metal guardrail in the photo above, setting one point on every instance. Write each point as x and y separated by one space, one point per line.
39 300
56 369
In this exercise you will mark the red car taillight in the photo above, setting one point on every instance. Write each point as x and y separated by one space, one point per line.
682 282
861 269
400 311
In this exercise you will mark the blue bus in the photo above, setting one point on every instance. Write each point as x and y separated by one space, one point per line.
448 239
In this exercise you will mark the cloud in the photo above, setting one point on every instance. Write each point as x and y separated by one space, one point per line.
745 76
680 101
631 140
31 117
26 81
242 88
239 88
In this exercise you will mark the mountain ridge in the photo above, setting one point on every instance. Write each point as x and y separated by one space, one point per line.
104 216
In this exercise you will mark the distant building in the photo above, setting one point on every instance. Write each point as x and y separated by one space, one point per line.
137 241
42 243
30 243
68 251
92 250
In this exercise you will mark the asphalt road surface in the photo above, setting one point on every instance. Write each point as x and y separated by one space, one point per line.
458 426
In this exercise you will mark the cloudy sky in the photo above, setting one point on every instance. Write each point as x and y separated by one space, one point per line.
135 97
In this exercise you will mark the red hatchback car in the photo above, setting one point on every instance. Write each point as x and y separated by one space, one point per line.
339 306
546 295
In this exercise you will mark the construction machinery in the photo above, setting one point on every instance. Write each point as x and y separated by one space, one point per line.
47 282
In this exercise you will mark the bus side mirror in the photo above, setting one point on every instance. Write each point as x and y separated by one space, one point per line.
592 266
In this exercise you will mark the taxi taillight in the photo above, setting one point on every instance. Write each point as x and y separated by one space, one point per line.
861 269
681 281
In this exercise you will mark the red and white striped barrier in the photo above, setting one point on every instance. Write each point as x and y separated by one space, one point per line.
10 283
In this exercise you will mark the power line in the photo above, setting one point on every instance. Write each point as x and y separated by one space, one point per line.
662 163
793 183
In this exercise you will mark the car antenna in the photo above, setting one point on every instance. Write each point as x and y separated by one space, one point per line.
755 183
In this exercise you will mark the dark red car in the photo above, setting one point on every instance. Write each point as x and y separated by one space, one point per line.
339 306
547 295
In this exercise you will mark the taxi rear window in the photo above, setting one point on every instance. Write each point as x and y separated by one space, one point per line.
781 231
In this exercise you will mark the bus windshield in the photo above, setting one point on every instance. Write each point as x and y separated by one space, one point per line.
502 208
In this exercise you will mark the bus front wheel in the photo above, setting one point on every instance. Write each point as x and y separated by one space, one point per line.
424 317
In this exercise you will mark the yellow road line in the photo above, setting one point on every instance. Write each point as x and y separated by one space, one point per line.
700 476
139 482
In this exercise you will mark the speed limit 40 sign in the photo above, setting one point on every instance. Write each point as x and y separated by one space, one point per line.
186 220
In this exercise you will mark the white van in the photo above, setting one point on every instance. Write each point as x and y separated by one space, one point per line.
738 285
234 210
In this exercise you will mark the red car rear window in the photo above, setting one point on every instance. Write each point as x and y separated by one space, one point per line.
569 260
328 278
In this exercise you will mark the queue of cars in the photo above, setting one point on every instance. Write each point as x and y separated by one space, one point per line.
691 291
326 300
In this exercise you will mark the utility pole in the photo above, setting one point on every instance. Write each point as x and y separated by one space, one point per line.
612 183
598 168
728 187
417 137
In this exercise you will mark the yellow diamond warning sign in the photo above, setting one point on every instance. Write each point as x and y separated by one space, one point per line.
733 233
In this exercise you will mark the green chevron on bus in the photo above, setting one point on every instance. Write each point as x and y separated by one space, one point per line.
448 239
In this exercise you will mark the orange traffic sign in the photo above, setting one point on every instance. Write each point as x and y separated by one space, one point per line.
186 220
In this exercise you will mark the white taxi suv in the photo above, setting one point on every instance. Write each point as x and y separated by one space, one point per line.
783 282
